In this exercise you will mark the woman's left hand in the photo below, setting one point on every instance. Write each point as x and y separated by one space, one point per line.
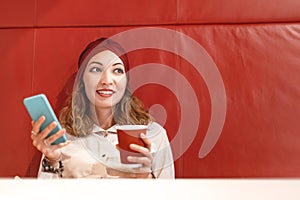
146 160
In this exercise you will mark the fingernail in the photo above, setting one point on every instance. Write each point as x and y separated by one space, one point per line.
129 158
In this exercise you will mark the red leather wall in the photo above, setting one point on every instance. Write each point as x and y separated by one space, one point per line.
254 46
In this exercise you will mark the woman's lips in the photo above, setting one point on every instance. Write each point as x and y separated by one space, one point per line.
105 92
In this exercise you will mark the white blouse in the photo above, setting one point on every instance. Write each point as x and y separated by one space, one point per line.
93 155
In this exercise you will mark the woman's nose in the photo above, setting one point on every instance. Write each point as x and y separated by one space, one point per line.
106 78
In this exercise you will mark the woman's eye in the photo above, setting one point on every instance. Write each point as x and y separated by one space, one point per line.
95 69
119 71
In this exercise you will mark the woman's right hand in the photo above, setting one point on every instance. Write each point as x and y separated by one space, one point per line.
43 144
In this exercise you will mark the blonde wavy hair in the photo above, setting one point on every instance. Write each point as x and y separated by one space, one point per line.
75 116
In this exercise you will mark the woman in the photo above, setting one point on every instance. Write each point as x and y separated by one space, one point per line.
101 99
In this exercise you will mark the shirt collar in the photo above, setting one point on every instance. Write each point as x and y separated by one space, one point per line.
98 129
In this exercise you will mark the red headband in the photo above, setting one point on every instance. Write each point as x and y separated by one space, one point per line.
100 45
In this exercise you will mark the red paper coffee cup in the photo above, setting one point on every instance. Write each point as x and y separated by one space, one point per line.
129 134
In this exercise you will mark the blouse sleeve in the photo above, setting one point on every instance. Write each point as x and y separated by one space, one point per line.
163 164
77 162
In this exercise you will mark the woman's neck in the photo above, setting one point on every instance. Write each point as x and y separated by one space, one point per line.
103 117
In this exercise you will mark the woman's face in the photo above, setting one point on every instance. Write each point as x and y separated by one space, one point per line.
105 79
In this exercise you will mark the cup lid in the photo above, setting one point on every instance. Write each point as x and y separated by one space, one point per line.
131 127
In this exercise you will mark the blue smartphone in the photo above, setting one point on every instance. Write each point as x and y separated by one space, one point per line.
39 105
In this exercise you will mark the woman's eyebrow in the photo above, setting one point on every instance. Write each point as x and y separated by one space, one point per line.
117 64
99 63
